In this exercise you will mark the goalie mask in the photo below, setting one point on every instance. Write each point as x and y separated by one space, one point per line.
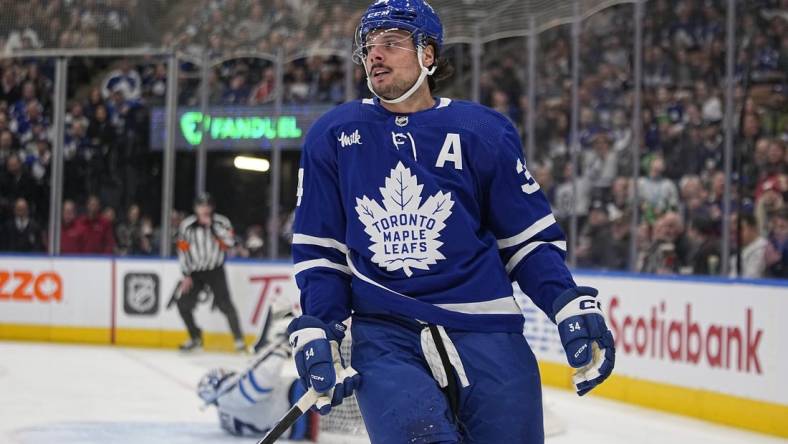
208 387
416 18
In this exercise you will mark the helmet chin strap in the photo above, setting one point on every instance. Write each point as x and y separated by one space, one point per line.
422 75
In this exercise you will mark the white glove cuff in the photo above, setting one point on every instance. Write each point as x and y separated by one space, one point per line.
299 338
582 305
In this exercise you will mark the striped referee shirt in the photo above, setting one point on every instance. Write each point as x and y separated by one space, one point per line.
203 248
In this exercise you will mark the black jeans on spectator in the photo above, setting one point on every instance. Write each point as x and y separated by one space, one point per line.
217 281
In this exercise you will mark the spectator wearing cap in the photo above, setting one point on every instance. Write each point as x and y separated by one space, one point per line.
98 233
72 233
753 249
22 234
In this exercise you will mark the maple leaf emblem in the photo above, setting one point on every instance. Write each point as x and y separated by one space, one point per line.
404 233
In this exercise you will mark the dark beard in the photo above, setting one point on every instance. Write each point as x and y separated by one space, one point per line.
395 89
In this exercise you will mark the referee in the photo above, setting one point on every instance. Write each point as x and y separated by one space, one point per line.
203 239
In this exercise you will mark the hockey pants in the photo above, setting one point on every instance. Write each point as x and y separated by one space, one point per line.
498 397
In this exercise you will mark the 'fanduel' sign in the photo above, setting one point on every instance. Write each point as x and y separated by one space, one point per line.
236 128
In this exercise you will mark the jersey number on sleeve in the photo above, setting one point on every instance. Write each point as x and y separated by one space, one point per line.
530 186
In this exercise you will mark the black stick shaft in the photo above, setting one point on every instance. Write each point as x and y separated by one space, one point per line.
305 403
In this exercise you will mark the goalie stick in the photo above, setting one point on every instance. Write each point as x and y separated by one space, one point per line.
304 403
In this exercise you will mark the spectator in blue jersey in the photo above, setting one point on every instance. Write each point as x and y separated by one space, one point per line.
125 79
18 109
415 214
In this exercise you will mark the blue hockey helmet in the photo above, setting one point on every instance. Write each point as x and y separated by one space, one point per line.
415 16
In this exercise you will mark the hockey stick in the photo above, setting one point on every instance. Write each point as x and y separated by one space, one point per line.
264 354
304 403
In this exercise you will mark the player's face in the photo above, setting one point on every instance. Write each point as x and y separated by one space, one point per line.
391 62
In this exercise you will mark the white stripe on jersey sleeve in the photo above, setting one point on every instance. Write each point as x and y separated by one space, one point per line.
526 250
528 233
304 239
314 263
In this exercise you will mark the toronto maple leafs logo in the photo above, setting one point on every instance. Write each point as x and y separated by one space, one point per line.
404 233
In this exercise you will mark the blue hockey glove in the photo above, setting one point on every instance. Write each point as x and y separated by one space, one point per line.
587 341
319 362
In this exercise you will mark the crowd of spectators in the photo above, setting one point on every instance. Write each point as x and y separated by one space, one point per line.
38 24
680 188
225 28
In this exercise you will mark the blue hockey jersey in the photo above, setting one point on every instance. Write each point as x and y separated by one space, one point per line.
428 215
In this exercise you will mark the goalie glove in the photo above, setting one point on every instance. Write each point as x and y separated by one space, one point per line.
587 341
318 360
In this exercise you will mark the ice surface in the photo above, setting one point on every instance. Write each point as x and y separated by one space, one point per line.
67 394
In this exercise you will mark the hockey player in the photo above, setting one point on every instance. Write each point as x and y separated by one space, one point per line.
415 214
249 403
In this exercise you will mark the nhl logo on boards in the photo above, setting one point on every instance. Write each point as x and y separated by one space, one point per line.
141 293
401 120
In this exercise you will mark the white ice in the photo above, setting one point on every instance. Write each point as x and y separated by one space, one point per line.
66 394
